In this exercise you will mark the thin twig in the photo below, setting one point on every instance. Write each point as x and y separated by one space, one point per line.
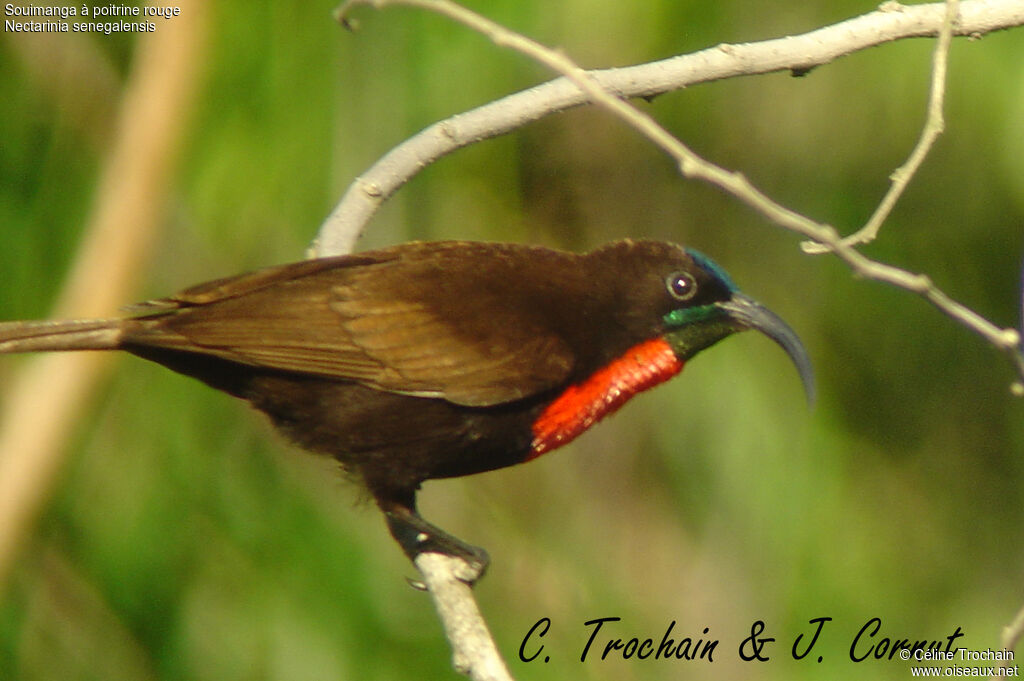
934 126
798 53
1012 634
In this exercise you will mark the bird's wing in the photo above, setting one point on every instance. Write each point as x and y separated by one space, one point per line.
426 324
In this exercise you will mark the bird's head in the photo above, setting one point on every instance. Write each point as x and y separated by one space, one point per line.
708 307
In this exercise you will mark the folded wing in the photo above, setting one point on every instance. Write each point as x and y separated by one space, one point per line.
417 320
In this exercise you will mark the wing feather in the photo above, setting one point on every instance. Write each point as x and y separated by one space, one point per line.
420 322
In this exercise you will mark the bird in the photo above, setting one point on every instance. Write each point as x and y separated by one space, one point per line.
430 360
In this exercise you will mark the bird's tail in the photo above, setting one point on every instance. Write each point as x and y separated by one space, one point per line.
80 334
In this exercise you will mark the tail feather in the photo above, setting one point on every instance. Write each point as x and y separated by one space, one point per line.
80 334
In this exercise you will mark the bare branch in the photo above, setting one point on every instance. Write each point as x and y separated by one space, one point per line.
448 580
799 53
474 651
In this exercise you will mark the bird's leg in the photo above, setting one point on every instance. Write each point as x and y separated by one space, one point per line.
416 536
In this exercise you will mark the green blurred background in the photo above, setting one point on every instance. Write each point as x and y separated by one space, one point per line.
185 541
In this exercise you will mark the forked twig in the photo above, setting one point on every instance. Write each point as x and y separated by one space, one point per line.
934 126
1006 339
799 53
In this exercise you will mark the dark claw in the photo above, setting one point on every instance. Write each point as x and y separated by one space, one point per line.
416 536
417 584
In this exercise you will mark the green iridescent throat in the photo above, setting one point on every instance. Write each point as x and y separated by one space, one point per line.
690 330
687 315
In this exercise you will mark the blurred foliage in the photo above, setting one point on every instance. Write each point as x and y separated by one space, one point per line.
186 541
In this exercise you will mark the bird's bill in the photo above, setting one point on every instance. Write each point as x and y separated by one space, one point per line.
749 314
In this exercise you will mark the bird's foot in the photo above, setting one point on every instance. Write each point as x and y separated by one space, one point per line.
416 536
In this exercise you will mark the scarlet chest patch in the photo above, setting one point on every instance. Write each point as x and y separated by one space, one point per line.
584 404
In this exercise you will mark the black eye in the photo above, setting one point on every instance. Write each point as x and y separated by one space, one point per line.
681 285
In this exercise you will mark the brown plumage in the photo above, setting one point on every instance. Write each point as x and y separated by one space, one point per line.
426 360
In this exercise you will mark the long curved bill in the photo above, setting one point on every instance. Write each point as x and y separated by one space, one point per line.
749 314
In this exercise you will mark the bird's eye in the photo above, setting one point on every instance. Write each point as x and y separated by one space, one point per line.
681 285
